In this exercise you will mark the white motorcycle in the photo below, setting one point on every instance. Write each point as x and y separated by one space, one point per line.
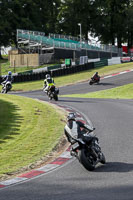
6 87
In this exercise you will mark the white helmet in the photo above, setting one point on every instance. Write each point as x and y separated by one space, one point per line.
47 76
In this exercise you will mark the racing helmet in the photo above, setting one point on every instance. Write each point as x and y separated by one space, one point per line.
71 116
10 73
47 76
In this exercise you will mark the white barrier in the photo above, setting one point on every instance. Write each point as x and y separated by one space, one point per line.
40 70
114 60
94 60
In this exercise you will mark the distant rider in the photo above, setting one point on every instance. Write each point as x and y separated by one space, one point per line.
48 82
96 76
73 129
8 78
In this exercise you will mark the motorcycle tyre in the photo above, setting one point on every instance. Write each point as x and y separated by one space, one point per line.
84 161
90 82
103 160
56 98
49 95
4 91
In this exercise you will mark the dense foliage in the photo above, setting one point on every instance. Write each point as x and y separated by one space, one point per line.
110 20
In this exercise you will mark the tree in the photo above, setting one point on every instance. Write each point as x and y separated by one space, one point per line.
5 26
107 19
73 12
111 20
26 14
129 24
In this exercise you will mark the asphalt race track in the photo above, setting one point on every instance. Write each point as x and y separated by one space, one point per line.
113 120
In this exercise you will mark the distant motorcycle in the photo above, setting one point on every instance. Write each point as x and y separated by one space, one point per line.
6 87
88 154
53 93
94 80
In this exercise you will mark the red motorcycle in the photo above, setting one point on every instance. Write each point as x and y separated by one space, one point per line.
94 80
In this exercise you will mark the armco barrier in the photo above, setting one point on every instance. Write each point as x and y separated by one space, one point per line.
54 73
71 70
29 77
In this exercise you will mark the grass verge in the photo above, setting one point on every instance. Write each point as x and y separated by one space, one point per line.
29 130
5 67
121 92
73 78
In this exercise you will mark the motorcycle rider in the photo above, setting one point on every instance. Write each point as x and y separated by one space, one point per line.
96 76
73 130
48 82
8 78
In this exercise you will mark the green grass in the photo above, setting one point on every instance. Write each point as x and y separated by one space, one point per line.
29 130
122 92
73 78
5 67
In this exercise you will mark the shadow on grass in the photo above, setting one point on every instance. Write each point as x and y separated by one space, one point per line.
10 120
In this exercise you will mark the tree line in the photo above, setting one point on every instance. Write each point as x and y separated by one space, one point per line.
109 20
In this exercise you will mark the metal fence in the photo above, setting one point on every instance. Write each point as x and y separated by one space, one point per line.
61 42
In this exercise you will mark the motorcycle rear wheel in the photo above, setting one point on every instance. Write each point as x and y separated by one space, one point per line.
85 160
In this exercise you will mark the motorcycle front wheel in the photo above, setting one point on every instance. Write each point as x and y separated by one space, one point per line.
103 160
55 97
86 159
90 82
3 91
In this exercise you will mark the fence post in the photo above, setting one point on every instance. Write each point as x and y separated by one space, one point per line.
27 62
74 55
0 69
14 66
